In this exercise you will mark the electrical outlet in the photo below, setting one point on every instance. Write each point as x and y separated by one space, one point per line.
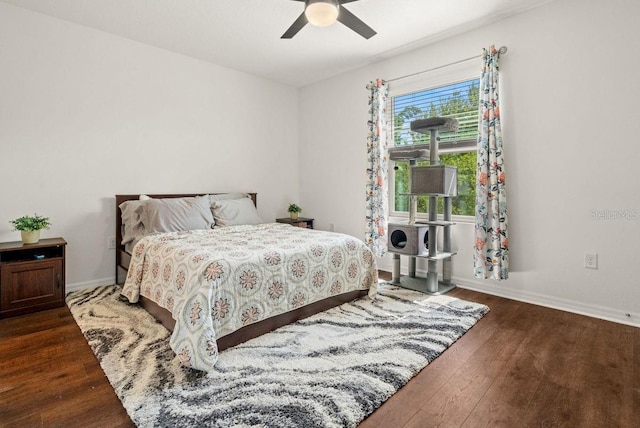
111 243
332 227
591 260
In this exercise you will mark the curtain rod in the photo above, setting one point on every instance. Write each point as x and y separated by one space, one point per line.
501 51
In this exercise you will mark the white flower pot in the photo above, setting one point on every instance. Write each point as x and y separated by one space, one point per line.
30 237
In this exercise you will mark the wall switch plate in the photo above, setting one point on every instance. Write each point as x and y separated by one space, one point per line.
591 260
111 243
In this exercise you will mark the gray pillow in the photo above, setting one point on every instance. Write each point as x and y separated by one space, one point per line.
225 196
132 228
232 212
175 214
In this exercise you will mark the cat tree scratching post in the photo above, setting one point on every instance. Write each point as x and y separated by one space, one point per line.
419 239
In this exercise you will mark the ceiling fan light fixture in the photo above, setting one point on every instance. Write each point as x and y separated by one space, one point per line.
321 12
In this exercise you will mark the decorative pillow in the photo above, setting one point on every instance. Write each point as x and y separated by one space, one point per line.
132 227
232 212
175 214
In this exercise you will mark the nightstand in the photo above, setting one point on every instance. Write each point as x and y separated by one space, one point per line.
299 222
31 276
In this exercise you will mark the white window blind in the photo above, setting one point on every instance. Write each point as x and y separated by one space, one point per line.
456 100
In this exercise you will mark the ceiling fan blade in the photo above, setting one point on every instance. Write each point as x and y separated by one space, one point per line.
353 22
295 27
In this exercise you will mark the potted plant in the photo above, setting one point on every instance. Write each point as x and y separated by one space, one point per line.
293 211
30 226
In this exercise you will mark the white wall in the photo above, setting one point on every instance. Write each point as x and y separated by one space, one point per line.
85 115
570 120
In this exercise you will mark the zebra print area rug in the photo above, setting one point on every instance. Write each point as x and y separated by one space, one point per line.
330 370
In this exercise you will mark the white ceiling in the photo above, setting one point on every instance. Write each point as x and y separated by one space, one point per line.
245 34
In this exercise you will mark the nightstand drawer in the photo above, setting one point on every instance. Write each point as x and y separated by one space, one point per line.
29 284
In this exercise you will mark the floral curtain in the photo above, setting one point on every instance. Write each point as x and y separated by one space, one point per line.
377 174
491 255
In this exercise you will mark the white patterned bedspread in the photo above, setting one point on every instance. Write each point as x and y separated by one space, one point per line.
215 282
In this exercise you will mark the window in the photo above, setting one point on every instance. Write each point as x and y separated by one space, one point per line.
458 100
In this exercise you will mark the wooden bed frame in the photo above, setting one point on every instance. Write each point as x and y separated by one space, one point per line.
123 259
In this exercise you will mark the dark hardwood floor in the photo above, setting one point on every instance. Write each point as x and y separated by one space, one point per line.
521 366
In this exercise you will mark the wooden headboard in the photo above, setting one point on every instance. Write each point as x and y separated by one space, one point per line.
122 257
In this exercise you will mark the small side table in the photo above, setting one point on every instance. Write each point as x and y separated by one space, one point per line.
31 276
299 222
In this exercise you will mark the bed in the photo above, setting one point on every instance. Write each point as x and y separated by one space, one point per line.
215 287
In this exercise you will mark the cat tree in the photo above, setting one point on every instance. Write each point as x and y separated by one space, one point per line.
419 239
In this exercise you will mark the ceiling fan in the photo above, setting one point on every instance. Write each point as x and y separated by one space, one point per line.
325 12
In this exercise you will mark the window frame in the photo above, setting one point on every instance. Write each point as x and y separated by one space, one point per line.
423 82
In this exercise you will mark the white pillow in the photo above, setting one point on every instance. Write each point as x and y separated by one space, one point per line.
232 212
175 214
